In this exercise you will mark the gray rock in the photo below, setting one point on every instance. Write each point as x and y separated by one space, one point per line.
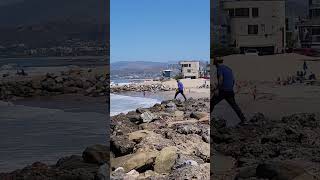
147 117
97 154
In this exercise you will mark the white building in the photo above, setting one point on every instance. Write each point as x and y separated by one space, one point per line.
190 69
309 30
256 24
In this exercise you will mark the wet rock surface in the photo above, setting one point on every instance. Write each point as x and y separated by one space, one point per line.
92 165
287 148
167 144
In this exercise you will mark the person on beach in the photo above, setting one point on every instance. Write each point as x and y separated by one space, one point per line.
224 89
305 67
180 90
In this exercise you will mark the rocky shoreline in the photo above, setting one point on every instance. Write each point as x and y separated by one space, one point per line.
288 148
167 141
92 165
140 88
171 140
88 82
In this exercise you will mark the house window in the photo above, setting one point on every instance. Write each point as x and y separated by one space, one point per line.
315 31
231 12
255 12
242 12
252 29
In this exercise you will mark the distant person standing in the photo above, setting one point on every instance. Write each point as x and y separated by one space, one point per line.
180 90
305 68
225 89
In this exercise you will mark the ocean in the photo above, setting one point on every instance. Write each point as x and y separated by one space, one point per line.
46 129
123 104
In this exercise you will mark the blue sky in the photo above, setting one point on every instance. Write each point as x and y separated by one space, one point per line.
159 30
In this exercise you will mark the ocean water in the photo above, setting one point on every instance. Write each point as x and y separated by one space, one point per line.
123 104
48 128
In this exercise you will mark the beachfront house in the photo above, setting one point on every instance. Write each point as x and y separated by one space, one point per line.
190 69
309 30
167 73
256 24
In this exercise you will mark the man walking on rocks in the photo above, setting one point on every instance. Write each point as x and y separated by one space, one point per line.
180 90
225 89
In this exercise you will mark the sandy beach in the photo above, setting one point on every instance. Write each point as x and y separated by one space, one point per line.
264 144
272 99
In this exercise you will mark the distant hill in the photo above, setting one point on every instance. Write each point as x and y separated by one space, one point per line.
138 66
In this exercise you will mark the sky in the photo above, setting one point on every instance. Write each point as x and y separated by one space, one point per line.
159 30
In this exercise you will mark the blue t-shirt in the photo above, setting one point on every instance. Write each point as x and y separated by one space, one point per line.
228 79
180 86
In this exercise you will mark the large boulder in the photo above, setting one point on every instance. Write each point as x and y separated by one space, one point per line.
97 154
121 145
166 159
139 161
147 117
154 141
281 170
199 115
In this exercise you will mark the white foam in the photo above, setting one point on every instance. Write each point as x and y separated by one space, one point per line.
123 104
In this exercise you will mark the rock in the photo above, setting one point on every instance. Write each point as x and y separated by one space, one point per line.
166 159
258 117
219 123
191 144
203 151
186 160
279 170
117 174
103 172
192 172
154 142
188 129
137 136
147 117
132 175
198 115
139 161
303 119
121 145
74 162
97 154
222 164
140 110
171 106
179 115
51 85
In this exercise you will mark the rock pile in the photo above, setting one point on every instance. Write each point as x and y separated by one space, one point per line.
269 149
167 141
92 165
140 88
73 81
